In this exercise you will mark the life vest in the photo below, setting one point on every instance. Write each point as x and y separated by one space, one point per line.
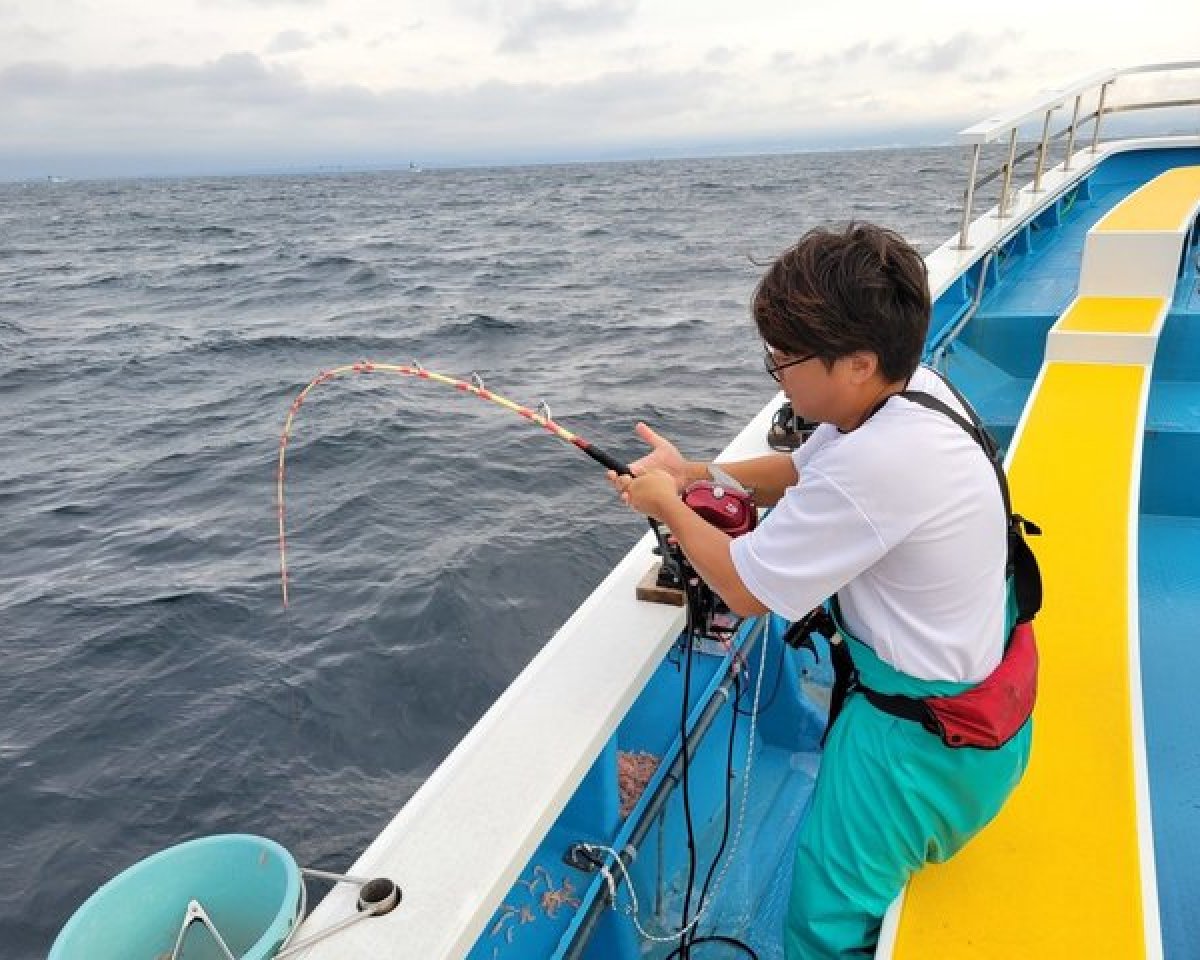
989 714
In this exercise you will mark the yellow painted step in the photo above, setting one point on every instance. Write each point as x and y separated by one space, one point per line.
1057 874
1112 315
1167 203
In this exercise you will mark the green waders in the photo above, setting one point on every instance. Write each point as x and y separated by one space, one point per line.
889 798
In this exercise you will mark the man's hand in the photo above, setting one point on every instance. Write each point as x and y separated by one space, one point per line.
664 456
707 548
652 493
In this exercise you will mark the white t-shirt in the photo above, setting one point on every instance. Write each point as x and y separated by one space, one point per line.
904 520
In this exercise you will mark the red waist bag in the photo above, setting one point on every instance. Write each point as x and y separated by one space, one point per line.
990 714
986 716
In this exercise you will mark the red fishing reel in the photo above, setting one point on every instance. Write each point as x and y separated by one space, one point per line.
726 508
724 504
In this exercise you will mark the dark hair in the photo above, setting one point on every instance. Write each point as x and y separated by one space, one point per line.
836 292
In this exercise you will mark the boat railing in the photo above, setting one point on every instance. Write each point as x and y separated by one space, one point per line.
996 129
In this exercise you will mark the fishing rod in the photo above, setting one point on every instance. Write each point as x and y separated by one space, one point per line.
474 387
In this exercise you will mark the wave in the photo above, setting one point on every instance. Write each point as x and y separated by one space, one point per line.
476 323
333 264
335 348
125 330
101 282
72 510
59 368
368 276
211 268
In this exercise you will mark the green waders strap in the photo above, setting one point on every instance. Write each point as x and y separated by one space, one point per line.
905 702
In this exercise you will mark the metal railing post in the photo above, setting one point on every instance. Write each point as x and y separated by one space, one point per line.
1002 210
1071 134
1099 116
969 199
1041 160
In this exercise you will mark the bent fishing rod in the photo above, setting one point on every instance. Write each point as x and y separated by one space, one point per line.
474 387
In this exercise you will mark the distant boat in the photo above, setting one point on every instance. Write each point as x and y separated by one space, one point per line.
413 168
56 179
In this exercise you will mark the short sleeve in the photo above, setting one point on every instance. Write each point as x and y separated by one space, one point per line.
813 543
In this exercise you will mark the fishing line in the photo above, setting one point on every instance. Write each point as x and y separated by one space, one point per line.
474 387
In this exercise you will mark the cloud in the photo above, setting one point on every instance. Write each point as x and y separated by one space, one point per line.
959 50
990 77
548 19
388 37
720 56
240 111
290 41
890 58
244 105
293 41
235 4
23 37
39 89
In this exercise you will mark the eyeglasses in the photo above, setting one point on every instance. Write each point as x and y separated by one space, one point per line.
773 367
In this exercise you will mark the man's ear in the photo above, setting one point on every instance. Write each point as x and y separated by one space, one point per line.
863 365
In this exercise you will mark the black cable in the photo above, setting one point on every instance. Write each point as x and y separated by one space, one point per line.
688 939
716 938
712 867
689 641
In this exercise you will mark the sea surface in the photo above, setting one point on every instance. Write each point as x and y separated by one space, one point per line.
152 335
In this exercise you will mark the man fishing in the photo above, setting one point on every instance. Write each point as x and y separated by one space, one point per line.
892 509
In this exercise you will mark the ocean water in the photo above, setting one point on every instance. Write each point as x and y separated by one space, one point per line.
152 336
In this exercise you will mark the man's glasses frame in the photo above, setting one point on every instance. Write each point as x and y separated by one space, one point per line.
773 367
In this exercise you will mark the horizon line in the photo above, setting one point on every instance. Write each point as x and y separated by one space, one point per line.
633 155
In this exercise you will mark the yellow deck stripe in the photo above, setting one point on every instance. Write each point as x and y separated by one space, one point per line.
1057 875
1166 203
1111 315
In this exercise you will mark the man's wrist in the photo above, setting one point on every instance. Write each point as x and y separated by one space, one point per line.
726 479
694 470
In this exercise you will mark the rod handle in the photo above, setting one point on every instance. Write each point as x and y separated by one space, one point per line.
607 460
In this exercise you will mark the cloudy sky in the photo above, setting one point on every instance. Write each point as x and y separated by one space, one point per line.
160 86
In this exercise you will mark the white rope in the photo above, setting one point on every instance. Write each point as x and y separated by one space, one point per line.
322 934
